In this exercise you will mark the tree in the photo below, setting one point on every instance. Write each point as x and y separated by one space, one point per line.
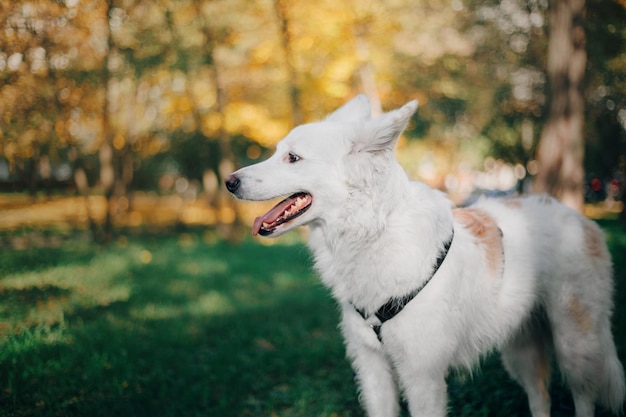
561 148
107 153
286 38
167 86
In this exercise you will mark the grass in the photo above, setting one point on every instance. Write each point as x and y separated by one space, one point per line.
186 325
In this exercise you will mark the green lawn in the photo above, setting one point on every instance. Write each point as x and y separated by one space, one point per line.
185 325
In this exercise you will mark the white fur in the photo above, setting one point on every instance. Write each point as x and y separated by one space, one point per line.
376 235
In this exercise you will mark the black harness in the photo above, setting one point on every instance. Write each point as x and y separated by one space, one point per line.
395 305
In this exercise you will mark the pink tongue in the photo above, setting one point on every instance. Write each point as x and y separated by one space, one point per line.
271 216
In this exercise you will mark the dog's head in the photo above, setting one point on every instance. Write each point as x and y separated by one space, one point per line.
320 166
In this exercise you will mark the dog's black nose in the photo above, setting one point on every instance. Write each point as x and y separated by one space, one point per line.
232 183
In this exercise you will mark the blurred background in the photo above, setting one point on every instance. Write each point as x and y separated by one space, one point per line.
129 113
127 283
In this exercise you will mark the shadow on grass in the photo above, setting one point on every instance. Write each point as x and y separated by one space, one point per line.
34 294
70 251
206 328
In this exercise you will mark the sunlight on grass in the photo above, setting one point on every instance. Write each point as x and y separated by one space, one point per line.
283 280
132 327
200 267
28 340
71 212
211 303
46 296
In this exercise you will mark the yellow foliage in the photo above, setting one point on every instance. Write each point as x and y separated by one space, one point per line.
263 52
119 141
204 94
183 104
255 122
211 124
154 146
222 66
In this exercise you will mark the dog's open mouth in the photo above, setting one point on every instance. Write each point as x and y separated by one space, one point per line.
288 209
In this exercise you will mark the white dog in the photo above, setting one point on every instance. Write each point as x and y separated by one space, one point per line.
425 287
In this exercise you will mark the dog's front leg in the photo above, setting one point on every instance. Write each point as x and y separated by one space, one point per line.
426 392
375 375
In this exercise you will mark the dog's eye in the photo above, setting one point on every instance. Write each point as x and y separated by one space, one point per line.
292 157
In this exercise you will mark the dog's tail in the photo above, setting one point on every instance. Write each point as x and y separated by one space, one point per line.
613 390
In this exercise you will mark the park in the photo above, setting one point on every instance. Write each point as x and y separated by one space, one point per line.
129 282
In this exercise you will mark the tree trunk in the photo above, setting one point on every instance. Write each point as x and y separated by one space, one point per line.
107 182
32 165
82 186
106 152
285 37
228 217
561 148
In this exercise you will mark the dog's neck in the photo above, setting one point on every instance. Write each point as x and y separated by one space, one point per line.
383 245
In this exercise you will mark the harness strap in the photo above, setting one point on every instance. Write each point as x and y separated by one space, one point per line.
396 304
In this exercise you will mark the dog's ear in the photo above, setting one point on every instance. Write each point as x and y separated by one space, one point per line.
382 132
355 110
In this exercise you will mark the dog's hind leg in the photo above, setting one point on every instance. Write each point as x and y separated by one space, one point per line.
578 353
578 300
527 358
587 358
378 391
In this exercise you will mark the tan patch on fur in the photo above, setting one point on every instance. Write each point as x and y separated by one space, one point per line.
594 241
487 234
515 203
579 313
